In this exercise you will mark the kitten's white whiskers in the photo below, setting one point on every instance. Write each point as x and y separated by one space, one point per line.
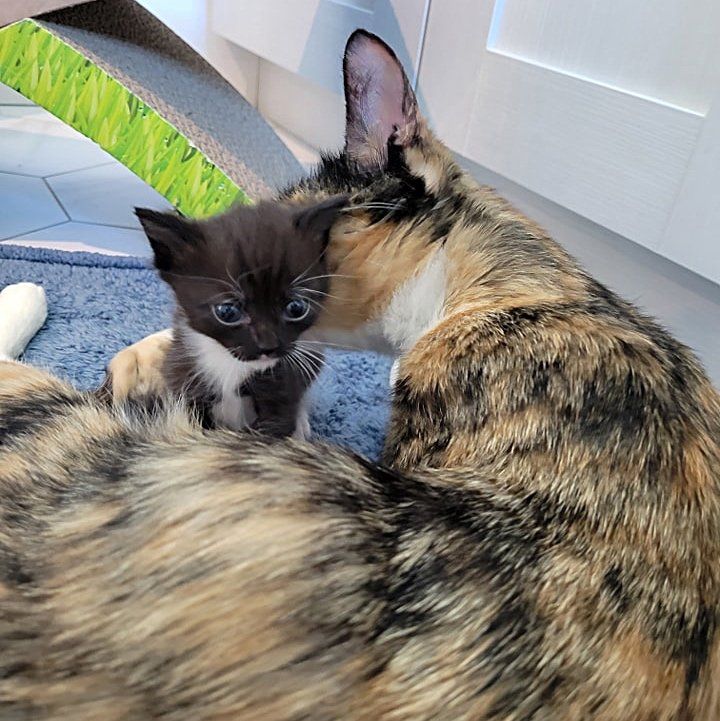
315 357
299 277
321 292
225 296
252 271
293 361
312 353
235 282
202 278
313 302
328 275
376 205
323 343
302 364
308 369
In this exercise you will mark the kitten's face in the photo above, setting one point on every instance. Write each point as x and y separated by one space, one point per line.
253 279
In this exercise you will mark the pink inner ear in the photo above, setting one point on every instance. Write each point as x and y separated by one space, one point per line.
381 105
376 91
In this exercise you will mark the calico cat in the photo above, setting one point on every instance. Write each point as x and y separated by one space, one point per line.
541 543
248 284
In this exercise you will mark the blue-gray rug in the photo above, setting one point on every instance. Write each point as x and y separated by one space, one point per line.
99 304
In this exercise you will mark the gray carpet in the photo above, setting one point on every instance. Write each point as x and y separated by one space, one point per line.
140 52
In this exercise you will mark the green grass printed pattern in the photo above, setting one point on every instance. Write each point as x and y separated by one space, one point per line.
49 72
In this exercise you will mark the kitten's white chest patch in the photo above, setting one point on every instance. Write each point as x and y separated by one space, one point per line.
417 305
225 374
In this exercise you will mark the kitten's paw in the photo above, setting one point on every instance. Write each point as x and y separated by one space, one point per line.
23 310
136 372
302 426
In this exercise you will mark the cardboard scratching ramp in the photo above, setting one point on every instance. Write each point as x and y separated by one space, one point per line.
115 73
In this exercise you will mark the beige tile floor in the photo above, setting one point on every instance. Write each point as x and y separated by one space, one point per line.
60 190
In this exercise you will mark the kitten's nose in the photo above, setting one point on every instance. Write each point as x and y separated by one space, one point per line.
268 351
266 340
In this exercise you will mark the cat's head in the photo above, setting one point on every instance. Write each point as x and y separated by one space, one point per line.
401 180
254 278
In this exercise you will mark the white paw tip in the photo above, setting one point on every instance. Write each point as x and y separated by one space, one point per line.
25 294
23 310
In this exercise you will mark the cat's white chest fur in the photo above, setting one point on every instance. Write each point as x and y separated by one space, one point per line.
225 374
417 305
414 308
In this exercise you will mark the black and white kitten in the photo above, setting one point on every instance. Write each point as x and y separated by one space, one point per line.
248 284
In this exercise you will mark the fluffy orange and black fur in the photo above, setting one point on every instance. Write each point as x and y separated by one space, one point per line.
541 544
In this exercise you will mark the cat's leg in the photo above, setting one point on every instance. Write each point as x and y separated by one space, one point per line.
23 310
279 398
279 420
138 370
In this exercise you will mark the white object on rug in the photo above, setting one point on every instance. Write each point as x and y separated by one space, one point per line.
23 310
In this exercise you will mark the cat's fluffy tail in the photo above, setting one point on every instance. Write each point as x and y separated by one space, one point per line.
23 310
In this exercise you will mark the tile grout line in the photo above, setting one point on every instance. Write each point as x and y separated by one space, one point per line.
33 230
55 175
112 161
57 200
19 175
106 225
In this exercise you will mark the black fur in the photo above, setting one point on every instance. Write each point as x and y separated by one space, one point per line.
259 258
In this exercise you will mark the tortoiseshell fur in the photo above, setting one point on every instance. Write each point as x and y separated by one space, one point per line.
542 542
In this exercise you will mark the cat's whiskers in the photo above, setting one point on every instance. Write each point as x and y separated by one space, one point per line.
316 355
375 205
312 301
201 279
324 344
236 349
306 362
235 282
390 208
316 360
300 276
328 275
295 362
225 296
322 293
252 271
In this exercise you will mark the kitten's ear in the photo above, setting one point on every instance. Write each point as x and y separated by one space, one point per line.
380 105
318 219
169 235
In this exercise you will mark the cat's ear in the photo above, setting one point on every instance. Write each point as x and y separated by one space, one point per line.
169 234
380 105
317 219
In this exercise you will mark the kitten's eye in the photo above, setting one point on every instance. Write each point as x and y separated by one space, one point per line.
228 313
296 309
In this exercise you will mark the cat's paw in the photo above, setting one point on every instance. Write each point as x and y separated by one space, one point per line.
302 426
23 310
137 372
